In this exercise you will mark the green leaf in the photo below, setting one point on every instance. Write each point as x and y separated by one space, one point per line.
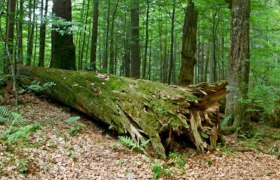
72 119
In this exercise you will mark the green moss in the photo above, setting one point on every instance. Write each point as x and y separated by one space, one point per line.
120 102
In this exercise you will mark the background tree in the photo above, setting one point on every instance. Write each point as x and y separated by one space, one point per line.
95 16
44 12
11 4
135 40
63 50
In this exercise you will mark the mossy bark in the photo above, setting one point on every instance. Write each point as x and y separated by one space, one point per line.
140 108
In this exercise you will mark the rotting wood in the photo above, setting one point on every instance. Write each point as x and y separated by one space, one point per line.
143 109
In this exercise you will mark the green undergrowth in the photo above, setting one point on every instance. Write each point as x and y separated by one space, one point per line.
262 138
18 136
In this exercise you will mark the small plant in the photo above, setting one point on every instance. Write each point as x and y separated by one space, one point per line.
157 169
130 143
177 159
209 162
225 149
71 153
76 127
36 87
22 166
16 131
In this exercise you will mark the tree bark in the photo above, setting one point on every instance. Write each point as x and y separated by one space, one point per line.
10 35
188 46
143 109
144 67
112 51
43 33
94 36
171 60
239 62
135 40
20 30
63 49
31 28
105 58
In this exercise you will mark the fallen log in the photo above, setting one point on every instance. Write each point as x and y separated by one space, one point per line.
143 109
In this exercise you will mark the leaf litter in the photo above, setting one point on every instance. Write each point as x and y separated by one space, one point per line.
52 153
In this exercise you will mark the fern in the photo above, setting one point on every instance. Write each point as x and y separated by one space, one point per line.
4 112
23 132
130 143
36 87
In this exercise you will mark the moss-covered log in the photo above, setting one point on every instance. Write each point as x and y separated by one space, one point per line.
141 108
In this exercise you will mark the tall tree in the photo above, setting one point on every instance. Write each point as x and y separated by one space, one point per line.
188 46
112 51
135 40
81 57
239 62
31 29
43 32
11 4
105 57
63 49
127 60
171 60
144 68
95 16
19 33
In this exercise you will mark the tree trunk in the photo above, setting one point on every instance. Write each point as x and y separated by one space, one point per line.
20 29
83 41
144 67
171 60
127 60
10 35
63 50
135 40
112 51
43 33
188 46
31 28
239 62
143 109
105 58
94 35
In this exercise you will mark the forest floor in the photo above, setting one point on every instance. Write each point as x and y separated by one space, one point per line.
83 150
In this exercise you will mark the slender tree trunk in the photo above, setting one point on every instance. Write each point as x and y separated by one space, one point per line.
127 60
144 68
239 62
206 65
171 60
112 52
31 32
150 62
43 33
188 46
11 4
84 38
135 40
202 62
19 38
94 35
105 58
35 45
79 38
160 48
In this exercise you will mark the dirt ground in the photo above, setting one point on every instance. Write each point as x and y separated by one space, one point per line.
52 153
